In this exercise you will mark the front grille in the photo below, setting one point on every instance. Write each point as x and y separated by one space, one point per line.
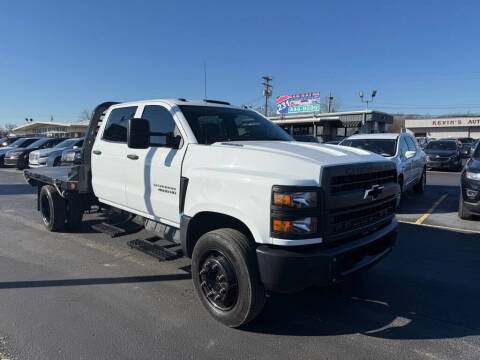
344 220
361 181
438 159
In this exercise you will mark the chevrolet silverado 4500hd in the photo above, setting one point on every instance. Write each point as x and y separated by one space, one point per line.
255 210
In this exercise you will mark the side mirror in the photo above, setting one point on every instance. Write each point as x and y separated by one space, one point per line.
410 154
138 133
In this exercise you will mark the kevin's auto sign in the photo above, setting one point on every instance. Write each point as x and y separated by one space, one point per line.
438 123
298 103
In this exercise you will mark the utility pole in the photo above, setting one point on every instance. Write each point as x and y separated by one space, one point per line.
330 99
267 92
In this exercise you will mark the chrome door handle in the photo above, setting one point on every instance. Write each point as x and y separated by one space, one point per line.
132 156
97 152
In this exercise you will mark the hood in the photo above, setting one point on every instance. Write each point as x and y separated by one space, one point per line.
319 154
440 152
47 152
474 166
22 149
4 150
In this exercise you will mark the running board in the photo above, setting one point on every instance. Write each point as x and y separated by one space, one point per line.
114 230
162 253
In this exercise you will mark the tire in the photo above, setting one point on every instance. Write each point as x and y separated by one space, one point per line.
420 187
228 252
52 208
21 164
74 214
400 196
462 213
56 162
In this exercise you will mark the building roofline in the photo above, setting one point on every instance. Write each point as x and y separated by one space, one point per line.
35 124
323 115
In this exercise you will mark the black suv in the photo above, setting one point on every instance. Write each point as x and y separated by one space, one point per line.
469 204
443 154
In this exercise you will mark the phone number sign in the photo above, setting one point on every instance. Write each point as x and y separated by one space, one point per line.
298 103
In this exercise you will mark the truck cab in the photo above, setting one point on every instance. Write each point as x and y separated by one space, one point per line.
256 210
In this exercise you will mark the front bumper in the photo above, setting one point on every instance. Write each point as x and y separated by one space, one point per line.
11 161
288 270
449 164
472 205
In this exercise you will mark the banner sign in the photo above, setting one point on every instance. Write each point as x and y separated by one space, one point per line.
298 103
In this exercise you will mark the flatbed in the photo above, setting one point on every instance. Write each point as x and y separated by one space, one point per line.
63 177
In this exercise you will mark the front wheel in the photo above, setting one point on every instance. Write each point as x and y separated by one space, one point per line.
419 188
462 213
226 277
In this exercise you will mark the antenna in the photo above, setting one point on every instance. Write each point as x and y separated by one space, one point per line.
205 78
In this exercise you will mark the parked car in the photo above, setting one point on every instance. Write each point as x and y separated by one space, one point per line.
305 138
7 140
18 157
403 150
444 154
469 204
255 210
52 156
17 144
70 156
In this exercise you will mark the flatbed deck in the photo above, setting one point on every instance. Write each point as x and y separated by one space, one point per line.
63 177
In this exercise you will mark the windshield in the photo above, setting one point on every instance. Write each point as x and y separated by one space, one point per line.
67 143
384 147
36 144
212 124
442 145
20 142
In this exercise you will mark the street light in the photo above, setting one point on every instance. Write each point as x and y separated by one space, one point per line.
367 100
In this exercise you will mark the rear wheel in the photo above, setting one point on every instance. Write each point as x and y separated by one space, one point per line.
21 164
52 208
226 277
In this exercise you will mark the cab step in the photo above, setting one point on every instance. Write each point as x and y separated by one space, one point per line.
117 230
161 252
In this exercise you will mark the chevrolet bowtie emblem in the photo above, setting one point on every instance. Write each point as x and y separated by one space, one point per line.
374 191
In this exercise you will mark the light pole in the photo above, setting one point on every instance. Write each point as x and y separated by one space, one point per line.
267 91
366 99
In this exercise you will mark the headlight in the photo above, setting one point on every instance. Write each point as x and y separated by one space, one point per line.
69 156
293 199
472 176
302 226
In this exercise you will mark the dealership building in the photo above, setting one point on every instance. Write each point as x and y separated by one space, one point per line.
52 129
334 125
445 127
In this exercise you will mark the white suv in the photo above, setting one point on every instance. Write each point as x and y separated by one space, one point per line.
403 149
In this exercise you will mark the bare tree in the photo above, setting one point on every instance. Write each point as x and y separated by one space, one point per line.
335 104
9 127
85 115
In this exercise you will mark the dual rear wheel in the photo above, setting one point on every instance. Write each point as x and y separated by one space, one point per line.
58 212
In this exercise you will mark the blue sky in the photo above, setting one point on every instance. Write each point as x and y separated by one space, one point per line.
60 57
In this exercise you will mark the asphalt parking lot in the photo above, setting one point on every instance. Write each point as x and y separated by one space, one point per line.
88 296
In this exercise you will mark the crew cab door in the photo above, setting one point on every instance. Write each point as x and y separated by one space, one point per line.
152 175
406 163
109 159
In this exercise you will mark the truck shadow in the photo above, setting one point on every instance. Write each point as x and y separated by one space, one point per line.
426 289
16 189
92 281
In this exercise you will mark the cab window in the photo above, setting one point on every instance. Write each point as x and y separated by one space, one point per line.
161 121
117 124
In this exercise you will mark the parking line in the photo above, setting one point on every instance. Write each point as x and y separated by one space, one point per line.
431 210
441 227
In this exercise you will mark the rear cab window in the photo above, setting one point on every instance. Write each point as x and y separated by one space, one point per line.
117 124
